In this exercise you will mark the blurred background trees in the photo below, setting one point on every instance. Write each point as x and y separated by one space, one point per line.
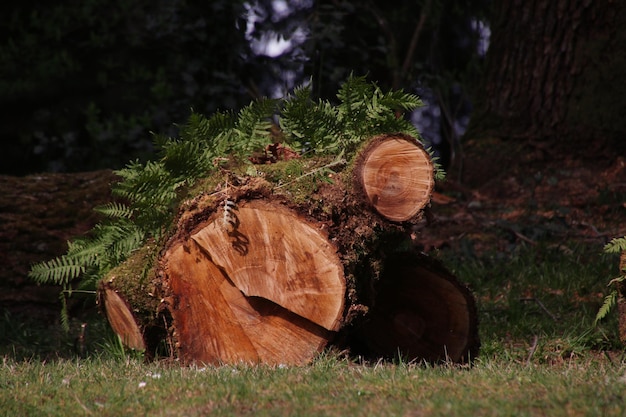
83 84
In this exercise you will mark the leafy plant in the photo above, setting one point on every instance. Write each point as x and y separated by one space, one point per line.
152 191
363 110
616 245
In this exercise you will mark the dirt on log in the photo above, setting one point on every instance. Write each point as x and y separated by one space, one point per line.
256 271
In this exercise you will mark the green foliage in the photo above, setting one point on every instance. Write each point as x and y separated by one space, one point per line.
616 245
125 386
81 85
151 192
364 110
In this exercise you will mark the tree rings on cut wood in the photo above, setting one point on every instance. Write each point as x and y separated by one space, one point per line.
396 176
254 283
421 312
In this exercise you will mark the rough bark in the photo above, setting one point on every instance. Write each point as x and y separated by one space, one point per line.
554 82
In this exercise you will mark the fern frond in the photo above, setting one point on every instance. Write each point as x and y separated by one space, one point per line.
60 270
252 130
86 251
127 239
616 245
354 94
65 317
115 210
186 159
607 306
146 184
111 243
202 129
308 125
398 99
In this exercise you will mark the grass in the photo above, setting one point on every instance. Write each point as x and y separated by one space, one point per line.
330 386
541 355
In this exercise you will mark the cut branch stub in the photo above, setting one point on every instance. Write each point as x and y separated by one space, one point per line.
421 312
396 176
255 284
121 318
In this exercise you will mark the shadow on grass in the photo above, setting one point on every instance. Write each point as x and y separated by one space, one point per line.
27 336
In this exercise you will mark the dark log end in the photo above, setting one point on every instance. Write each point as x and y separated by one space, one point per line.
421 312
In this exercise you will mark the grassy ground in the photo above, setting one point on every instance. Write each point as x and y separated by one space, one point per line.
541 355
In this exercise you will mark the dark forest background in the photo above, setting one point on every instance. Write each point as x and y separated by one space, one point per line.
84 83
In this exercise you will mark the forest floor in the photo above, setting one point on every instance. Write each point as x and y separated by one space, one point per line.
560 199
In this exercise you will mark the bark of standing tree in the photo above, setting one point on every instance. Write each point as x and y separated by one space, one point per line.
554 83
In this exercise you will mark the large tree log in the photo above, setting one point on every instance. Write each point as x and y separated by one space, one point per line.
255 273
261 283
421 312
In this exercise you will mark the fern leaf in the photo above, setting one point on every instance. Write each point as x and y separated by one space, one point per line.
609 303
398 99
616 245
115 210
65 317
252 130
128 239
310 126
60 270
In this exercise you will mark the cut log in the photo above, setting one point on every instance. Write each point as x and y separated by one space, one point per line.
421 312
395 174
258 283
255 272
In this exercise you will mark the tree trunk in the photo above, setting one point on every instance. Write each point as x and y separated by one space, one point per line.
554 83
259 273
